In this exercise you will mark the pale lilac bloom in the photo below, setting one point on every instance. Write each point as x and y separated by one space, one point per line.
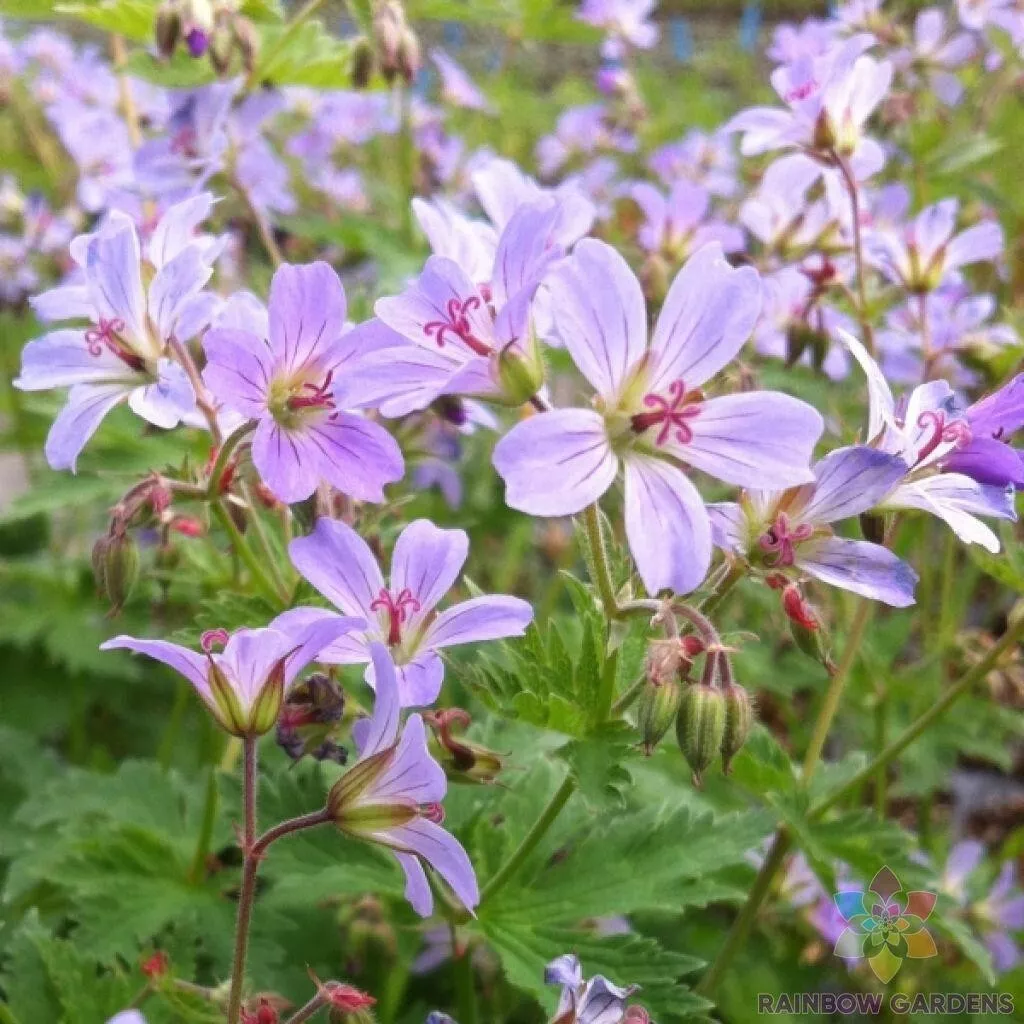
829 100
650 416
705 159
392 795
926 428
583 1001
936 54
987 457
243 684
1002 14
98 142
626 23
124 355
811 37
457 88
791 529
927 253
127 1017
402 611
679 224
581 131
285 381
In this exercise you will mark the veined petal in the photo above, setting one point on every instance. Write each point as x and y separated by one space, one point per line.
417 888
239 369
309 640
526 250
556 463
480 618
988 461
168 400
852 480
86 406
380 731
760 439
668 528
599 314
443 853
62 358
177 228
419 680
411 774
356 455
191 664
287 460
339 564
709 313
114 277
307 312
859 566
249 658
175 284
882 415
427 561
65 302
728 525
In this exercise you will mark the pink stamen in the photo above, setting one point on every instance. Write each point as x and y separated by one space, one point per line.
801 92
781 540
398 608
107 335
213 638
958 432
433 812
668 415
457 324
319 396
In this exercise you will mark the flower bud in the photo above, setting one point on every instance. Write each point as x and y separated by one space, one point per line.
520 372
700 726
222 48
656 710
410 56
168 28
115 566
461 759
247 40
388 30
739 717
362 63
311 712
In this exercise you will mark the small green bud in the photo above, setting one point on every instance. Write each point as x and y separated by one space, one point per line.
168 28
700 726
222 48
520 372
362 64
656 710
226 706
248 41
739 717
115 565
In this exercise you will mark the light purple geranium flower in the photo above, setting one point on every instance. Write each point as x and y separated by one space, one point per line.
392 795
243 685
923 255
987 457
125 354
706 160
679 224
285 381
829 100
926 428
936 54
791 530
650 415
127 1017
457 87
401 612
593 1001
625 21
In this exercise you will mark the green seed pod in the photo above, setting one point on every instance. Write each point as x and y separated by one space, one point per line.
656 710
168 28
739 717
700 726
115 564
222 48
520 372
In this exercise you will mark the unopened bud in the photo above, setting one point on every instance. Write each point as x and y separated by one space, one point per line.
168 28
410 56
187 526
700 726
248 41
520 372
461 759
739 717
362 63
115 566
222 48
388 31
311 712
656 711
155 966
872 526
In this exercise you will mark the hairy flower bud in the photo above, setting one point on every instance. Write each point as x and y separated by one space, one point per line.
700 726
248 41
362 63
388 30
115 566
520 372
739 717
410 56
222 48
656 711
168 28
461 759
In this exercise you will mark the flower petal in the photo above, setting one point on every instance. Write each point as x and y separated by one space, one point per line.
86 406
113 274
861 567
667 525
417 888
354 454
174 286
427 561
239 369
480 618
168 400
443 853
380 731
307 310
177 228
286 460
191 664
62 358
850 481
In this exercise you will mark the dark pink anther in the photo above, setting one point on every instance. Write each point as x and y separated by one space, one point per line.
213 638
458 311
398 608
958 432
433 812
318 396
781 540
801 91
107 336
668 414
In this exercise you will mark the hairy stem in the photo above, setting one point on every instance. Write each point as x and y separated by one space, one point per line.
605 586
203 399
263 228
247 555
858 253
224 453
247 893
303 1013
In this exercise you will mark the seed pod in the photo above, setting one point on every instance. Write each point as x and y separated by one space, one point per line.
362 64
248 41
656 710
222 48
700 726
168 28
873 527
739 717
520 372
115 565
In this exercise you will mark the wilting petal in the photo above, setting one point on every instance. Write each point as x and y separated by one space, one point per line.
760 439
417 888
861 567
599 313
114 277
709 313
556 463
168 400
191 664
668 528
339 564
307 310
177 228
356 455
443 853
380 731
427 561
238 370
478 619
62 358
850 481
86 406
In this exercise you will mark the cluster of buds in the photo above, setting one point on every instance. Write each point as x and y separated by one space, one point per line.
395 50
461 759
264 1009
669 662
208 28
310 716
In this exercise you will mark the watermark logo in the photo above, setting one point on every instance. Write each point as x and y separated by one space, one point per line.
885 925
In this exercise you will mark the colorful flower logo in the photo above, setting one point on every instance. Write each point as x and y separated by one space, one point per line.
885 925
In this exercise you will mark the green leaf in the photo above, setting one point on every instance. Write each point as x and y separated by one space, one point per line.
306 54
133 19
1006 567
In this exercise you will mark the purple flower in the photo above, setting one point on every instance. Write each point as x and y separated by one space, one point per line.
925 429
392 795
829 99
706 160
925 253
593 1001
936 55
987 457
790 530
244 684
625 21
124 355
401 611
678 225
651 415
284 382
457 87
127 1017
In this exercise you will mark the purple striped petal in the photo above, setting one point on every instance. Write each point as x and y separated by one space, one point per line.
427 561
168 400
380 731
307 310
86 406
478 619
849 481
443 853
861 567
239 369
192 665
61 359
